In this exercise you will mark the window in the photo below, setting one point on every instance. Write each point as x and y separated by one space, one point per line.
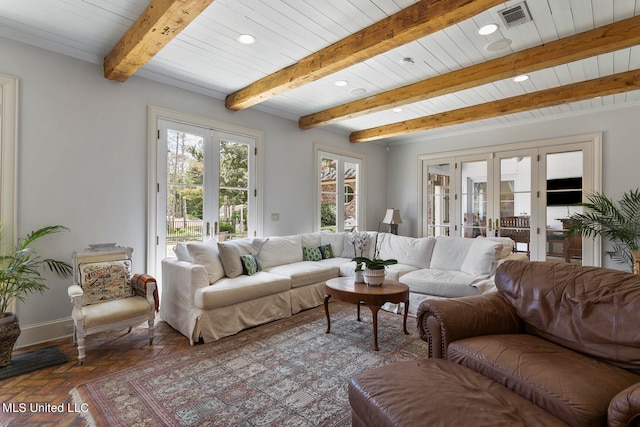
340 191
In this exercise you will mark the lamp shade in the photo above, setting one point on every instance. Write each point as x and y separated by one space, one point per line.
392 217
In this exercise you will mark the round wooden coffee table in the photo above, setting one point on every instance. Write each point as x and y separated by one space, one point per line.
344 289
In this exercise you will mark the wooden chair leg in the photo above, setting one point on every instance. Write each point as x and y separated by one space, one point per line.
150 323
80 340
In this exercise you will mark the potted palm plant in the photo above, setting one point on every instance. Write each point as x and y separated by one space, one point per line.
618 222
20 275
375 267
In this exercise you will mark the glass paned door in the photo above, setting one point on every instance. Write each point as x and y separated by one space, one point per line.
474 198
564 182
351 195
234 189
187 208
340 192
515 199
437 196
328 194
206 187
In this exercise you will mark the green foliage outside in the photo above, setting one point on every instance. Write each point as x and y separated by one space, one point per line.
327 215
185 197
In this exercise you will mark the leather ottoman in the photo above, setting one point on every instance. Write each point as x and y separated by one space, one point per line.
437 392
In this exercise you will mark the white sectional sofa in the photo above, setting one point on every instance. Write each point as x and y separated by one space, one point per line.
215 289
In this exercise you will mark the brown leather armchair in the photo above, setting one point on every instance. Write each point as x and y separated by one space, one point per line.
563 336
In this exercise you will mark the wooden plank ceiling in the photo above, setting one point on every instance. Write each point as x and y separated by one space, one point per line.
424 56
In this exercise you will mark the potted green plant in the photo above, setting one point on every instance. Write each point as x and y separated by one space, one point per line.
618 222
20 275
375 268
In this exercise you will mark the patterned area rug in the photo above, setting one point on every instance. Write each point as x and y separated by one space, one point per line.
285 373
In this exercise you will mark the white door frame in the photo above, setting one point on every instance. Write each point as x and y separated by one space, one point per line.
153 116
591 144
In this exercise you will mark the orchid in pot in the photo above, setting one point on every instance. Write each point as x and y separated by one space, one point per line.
360 242
374 267
20 275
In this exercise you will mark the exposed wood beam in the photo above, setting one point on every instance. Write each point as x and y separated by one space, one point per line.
617 83
412 23
157 26
601 40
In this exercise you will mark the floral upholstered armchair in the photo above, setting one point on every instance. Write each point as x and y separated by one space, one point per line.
106 296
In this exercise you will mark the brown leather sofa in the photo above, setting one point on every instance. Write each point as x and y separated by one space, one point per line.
564 337
556 344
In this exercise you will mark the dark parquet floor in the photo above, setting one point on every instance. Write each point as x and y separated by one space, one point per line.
106 352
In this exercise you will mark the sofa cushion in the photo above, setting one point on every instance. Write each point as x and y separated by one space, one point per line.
595 302
481 258
396 271
280 250
250 264
230 252
182 252
449 284
242 288
326 251
311 239
206 254
449 253
436 392
311 253
336 240
305 272
574 387
407 250
506 245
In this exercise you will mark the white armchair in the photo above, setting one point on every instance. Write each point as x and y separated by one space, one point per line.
105 296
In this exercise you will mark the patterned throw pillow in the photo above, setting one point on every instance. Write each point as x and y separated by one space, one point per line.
105 281
326 251
250 264
311 253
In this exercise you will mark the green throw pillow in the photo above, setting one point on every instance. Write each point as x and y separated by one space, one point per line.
250 264
326 251
311 253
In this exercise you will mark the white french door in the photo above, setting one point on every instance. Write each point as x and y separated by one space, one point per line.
340 192
205 186
526 194
514 211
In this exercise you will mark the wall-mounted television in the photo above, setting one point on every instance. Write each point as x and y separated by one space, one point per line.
564 191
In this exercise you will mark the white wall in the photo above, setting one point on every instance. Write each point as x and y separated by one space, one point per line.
620 153
82 162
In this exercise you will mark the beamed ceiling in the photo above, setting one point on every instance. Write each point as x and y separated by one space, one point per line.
424 58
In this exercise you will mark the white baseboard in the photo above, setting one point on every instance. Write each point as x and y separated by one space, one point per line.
47 331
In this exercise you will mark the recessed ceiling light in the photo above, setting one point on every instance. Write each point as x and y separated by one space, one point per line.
341 83
246 39
488 29
521 78
397 110
358 91
497 45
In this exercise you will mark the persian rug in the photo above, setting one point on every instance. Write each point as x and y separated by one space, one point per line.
285 373
33 360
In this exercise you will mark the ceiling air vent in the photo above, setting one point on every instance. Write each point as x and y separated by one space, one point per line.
516 15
